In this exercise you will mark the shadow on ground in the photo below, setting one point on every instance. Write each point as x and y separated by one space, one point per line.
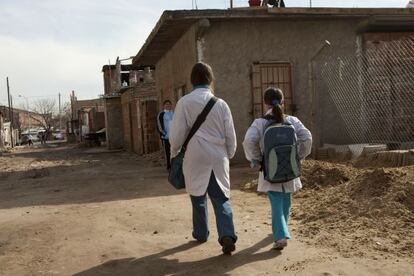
159 264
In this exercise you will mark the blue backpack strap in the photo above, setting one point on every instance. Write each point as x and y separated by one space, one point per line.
270 121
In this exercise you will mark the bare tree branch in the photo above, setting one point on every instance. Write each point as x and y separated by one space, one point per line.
46 108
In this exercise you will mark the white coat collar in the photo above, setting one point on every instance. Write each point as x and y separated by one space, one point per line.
201 90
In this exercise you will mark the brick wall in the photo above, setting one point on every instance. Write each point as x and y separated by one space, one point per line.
139 113
149 122
21 118
35 120
96 120
113 123
126 120
136 127
112 79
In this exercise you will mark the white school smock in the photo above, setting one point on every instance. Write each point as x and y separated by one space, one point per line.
212 145
253 145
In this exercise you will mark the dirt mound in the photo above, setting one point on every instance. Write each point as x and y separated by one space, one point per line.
372 212
355 210
316 174
371 184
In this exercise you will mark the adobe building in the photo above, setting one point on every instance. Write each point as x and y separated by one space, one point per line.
113 109
254 48
139 116
131 108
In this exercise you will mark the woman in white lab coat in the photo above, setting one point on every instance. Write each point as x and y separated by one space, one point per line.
279 193
206 161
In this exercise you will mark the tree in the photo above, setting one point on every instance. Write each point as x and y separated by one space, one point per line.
46 108
66 112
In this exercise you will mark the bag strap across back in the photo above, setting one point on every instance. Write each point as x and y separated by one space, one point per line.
199 121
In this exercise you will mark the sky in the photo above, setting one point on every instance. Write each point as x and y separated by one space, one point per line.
49 47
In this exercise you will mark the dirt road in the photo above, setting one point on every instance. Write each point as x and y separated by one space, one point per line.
67 211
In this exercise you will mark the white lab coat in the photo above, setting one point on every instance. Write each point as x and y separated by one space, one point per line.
253 149
212 145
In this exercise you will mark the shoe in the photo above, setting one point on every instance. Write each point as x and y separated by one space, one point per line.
228 245
200 240
280 244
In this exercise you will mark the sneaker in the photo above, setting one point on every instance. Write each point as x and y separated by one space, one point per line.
280 244
200 240
228 245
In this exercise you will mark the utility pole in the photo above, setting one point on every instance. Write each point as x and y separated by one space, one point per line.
60 117
28 113
10 112
12 118
231 4
72 104
310 3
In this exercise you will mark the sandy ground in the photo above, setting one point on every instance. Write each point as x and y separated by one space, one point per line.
67 211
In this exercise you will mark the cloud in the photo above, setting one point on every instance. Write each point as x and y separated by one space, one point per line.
65 49
48 67
49 46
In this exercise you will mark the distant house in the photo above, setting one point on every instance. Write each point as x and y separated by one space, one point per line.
88 116
252 49
22 119
113 109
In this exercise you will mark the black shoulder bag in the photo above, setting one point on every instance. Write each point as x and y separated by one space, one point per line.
176 176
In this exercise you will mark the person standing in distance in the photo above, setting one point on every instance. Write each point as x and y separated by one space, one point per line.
164 120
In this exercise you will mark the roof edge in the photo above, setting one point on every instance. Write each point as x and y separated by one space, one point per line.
263 12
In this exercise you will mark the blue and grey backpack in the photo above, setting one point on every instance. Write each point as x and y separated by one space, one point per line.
281 159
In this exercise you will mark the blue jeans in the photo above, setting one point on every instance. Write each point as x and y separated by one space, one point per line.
281 203
222 210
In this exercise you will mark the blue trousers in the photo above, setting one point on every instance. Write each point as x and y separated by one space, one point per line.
222 210
280 203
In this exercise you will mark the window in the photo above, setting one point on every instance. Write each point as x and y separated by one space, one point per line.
267 74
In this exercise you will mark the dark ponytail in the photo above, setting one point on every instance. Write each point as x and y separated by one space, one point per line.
274 97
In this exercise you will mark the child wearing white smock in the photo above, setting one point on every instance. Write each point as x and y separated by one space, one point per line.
279 193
